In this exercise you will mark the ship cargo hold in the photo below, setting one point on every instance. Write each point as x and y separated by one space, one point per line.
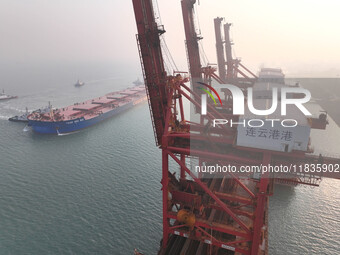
86 114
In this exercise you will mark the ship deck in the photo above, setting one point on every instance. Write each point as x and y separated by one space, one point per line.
92 107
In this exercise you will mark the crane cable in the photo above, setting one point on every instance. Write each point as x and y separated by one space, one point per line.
165 52
233 48
158 14
168 54
165 49
203 56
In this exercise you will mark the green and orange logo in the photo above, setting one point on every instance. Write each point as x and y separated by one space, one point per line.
209 93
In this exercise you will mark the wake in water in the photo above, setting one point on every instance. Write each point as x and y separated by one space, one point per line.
3 117
63 134
12 108
26 129
106 79
334 98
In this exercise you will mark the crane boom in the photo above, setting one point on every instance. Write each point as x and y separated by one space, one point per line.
195 67
219 48
230 61
152 63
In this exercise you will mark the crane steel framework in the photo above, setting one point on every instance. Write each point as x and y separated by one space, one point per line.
230 74
219 49
227 215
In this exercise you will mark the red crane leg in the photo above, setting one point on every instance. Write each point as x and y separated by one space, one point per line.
262 197
165 180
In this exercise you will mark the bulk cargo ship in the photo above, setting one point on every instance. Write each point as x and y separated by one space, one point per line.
86 114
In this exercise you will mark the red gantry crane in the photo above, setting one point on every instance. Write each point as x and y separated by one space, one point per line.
204 215
228 67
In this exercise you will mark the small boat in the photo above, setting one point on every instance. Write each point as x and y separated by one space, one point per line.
24 117
138 82
21 118
79 83
3 96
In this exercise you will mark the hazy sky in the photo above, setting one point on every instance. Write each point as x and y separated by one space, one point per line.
301 36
